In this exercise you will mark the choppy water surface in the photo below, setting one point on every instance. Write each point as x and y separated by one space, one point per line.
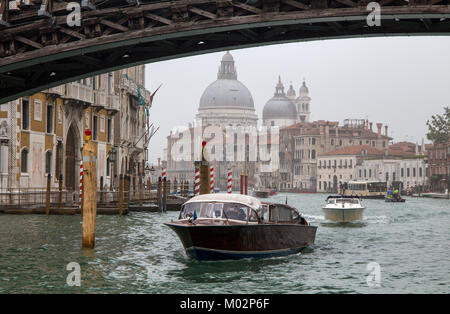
138 254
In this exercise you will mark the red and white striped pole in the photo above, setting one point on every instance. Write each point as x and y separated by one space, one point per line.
211 181
81 184
230 181
197 181
164 173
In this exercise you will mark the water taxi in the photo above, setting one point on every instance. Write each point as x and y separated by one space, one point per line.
343 209
234 226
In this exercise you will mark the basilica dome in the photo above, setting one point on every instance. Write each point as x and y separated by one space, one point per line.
227 91
279 106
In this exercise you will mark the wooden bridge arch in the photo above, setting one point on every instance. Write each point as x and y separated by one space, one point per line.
39 50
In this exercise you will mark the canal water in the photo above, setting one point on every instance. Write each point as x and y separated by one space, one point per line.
138 254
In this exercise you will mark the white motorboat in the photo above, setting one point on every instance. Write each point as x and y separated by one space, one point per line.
343 208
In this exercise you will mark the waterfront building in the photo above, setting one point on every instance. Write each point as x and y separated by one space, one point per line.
306 141
439 166
365 163
43 133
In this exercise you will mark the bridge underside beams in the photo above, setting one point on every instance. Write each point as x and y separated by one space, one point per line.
30 65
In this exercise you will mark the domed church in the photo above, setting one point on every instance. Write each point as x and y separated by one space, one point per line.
226 101
285 109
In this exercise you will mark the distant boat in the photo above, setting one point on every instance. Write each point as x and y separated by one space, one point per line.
393 198
261 193
365 189
343 208
234 226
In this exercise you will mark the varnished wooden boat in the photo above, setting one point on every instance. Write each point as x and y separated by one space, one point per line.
233 226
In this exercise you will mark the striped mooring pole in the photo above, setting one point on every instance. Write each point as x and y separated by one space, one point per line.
164 174
197 180
230 181
81 185
211 181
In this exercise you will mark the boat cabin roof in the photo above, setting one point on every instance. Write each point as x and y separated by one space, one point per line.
247 200
342 196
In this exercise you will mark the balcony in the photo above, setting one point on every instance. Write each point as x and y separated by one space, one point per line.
113 104
99 100
79 92
57 91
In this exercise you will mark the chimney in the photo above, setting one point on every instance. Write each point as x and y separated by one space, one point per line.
379 125
370 126
386 130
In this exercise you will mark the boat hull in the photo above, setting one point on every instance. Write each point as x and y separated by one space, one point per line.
343 214
392 200
261 194
218 242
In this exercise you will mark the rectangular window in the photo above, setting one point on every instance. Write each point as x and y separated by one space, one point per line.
24 161
37 110
94 128
48 162
108 134
49 118
25 114
59 115
102 124
86 120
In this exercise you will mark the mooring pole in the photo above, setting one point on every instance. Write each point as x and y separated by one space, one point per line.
121 195
165 193
90 192
149 187
101 189
128 187
204 173
47 203
60 191
158 194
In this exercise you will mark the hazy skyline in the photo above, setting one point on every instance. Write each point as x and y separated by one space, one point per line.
398 81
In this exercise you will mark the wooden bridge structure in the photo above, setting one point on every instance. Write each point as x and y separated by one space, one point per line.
43 45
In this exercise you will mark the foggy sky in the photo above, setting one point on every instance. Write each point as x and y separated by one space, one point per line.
399 81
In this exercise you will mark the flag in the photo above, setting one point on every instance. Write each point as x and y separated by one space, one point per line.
151 96
141 100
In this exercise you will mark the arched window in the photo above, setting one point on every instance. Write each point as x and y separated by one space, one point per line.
24 161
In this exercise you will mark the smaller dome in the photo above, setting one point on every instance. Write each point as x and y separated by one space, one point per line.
279 106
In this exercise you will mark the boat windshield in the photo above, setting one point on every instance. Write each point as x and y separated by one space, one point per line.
215 210
347 200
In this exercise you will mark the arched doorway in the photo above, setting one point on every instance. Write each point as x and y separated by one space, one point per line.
72 153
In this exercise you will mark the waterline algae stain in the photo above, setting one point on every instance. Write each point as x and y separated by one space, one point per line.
137 253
